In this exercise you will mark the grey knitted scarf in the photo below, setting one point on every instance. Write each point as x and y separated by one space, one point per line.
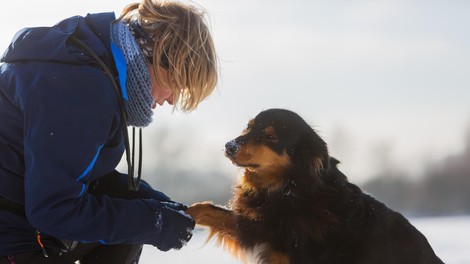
138 84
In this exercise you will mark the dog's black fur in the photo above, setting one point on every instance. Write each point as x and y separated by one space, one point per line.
293 205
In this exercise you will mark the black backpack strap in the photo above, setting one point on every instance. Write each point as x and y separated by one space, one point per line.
133 182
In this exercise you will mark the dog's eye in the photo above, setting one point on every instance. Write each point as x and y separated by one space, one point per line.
271 137
246 130
249 126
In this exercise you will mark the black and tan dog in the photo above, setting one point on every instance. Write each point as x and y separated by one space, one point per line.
293 205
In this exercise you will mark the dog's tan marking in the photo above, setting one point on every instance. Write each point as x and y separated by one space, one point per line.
270 166
269 131
276 257
221 223
209 215
264 254
251 123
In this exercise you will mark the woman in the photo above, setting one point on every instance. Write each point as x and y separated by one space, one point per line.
67 95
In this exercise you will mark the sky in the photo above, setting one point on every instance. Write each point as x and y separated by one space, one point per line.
385 83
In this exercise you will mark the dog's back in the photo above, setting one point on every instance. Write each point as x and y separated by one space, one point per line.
365 230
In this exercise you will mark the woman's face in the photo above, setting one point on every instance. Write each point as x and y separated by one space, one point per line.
159 93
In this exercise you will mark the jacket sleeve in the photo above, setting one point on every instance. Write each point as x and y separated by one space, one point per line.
115 184
66 138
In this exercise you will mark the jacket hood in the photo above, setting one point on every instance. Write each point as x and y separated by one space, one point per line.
53 43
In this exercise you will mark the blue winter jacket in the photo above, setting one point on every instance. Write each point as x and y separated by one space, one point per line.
60 135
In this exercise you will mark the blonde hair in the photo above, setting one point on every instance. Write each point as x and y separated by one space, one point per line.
182 42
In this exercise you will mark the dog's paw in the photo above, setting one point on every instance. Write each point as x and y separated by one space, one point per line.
208 214
199 210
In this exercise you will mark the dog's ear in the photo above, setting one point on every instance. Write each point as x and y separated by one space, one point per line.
314 153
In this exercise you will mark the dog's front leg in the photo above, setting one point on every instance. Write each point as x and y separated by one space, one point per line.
222 225
219 219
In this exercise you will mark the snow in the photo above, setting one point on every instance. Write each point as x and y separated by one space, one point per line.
447 235
195 252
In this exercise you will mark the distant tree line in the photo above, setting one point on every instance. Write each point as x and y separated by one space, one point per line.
444 189
168 167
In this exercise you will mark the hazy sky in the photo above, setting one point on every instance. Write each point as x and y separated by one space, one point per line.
386 83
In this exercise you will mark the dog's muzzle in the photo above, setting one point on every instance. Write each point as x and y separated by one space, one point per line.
232 148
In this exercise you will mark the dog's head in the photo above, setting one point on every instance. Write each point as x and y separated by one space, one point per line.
274 142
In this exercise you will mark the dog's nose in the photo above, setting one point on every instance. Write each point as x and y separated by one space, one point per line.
231 148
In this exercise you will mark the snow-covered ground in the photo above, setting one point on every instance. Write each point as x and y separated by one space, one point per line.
449 236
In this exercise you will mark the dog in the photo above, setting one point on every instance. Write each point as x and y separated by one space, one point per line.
293 205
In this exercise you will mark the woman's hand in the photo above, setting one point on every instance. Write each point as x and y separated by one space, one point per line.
176 226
